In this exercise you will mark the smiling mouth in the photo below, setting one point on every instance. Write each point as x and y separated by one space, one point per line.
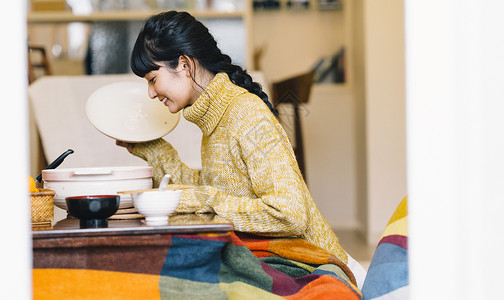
164 101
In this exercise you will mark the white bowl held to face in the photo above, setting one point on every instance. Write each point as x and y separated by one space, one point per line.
156 206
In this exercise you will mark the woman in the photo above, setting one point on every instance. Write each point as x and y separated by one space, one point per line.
249 172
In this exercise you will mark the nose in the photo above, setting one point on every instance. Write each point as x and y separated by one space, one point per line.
151 91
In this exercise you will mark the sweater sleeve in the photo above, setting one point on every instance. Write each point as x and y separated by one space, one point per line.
279 208
263 216
164 159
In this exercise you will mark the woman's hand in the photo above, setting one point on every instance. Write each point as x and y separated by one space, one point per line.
128 146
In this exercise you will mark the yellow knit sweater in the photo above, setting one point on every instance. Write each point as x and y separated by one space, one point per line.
249 172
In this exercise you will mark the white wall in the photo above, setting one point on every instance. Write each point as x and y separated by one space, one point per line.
385 111
15 253
357 77
330 154
293 41
455 92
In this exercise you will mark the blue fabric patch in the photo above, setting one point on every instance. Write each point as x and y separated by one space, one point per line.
387 272
193 259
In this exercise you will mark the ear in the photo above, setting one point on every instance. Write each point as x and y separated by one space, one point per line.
185 65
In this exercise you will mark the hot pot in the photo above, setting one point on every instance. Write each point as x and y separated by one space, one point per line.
97 181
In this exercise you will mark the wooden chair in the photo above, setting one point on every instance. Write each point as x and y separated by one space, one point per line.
37 63
292 93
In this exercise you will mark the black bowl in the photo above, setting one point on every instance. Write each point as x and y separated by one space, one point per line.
93 211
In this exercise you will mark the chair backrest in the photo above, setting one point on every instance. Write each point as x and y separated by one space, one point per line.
293 92
37 61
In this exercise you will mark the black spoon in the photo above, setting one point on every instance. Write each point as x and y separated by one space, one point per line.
56 162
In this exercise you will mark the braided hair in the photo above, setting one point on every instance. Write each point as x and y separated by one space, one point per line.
168 35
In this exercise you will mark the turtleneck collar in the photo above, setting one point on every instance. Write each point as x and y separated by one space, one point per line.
210 106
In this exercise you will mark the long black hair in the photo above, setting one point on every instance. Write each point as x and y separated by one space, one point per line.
168 35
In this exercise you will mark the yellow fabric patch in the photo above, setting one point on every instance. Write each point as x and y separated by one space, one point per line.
399 227
401 211
93 284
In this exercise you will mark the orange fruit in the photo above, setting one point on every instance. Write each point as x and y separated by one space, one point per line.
31 185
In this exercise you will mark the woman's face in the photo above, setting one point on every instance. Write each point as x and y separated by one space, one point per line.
173 87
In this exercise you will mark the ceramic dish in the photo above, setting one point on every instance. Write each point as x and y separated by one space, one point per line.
123 111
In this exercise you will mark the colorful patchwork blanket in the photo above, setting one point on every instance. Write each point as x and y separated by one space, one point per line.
205 266
387 276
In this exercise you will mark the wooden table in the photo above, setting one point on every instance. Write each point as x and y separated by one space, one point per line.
126 260
125 246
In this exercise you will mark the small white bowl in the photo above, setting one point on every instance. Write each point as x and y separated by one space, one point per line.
156 206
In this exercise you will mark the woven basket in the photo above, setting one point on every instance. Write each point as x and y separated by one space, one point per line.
42 209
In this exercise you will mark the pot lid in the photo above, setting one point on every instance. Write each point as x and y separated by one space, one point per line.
97 173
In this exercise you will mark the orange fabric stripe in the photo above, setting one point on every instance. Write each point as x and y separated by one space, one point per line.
290 248
261 254
325 287
240 239
93 284
256 244
299 250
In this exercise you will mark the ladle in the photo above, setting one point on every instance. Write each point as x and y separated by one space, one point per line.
164 182
56 163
